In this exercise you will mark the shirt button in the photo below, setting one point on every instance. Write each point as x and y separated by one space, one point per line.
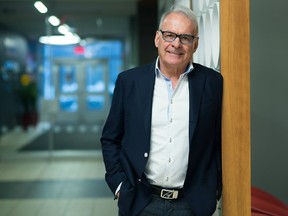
145 154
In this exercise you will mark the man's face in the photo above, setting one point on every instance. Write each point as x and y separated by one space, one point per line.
175 54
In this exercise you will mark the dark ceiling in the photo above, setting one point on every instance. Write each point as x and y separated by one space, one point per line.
21 16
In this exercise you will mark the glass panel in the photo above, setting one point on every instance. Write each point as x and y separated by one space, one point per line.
115 67
67 79
95 78
95 103
104 49
68 103
48 82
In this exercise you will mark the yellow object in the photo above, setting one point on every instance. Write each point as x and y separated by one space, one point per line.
25 79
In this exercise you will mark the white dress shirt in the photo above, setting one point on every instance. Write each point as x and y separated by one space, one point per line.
169 151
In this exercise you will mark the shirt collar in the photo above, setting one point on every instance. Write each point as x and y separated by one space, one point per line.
188 69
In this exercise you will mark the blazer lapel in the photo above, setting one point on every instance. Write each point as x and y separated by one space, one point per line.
146 96
196 84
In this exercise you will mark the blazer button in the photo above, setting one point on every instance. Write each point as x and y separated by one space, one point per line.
145 154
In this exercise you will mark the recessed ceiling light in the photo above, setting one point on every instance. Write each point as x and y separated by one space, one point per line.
40 7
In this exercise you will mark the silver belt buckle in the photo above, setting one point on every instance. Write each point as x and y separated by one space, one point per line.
169 194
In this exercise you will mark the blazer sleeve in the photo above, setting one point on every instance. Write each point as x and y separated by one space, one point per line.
219 140
111 139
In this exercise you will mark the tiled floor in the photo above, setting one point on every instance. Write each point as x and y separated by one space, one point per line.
51 183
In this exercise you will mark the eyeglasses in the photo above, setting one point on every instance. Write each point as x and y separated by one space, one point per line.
171 36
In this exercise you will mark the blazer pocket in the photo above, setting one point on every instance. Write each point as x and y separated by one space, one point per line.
126 198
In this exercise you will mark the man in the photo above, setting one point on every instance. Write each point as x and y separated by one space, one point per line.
161 142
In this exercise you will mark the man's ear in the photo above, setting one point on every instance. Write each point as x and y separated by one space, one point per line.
195 45
157 38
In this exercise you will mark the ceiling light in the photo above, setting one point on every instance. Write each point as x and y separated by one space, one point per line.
60 39
54 20
40 7
64 29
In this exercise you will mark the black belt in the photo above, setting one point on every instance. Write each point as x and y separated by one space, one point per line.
167 193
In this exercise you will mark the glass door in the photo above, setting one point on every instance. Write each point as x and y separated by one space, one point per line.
95 100
82 91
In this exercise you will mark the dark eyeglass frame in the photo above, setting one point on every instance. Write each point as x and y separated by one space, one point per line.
180 36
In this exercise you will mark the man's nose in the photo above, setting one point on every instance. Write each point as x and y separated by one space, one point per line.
176 42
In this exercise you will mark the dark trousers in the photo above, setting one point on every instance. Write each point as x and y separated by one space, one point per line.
163 207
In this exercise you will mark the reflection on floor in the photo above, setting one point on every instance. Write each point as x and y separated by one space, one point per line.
47 183
67 137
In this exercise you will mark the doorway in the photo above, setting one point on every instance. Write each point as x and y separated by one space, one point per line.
81 90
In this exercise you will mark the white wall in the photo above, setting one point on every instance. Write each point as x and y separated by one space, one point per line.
269 96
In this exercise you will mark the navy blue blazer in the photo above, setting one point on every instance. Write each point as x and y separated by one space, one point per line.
126 138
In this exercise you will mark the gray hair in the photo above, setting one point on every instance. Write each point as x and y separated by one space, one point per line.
183 10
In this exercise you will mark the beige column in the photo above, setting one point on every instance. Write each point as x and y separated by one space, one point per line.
235 68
